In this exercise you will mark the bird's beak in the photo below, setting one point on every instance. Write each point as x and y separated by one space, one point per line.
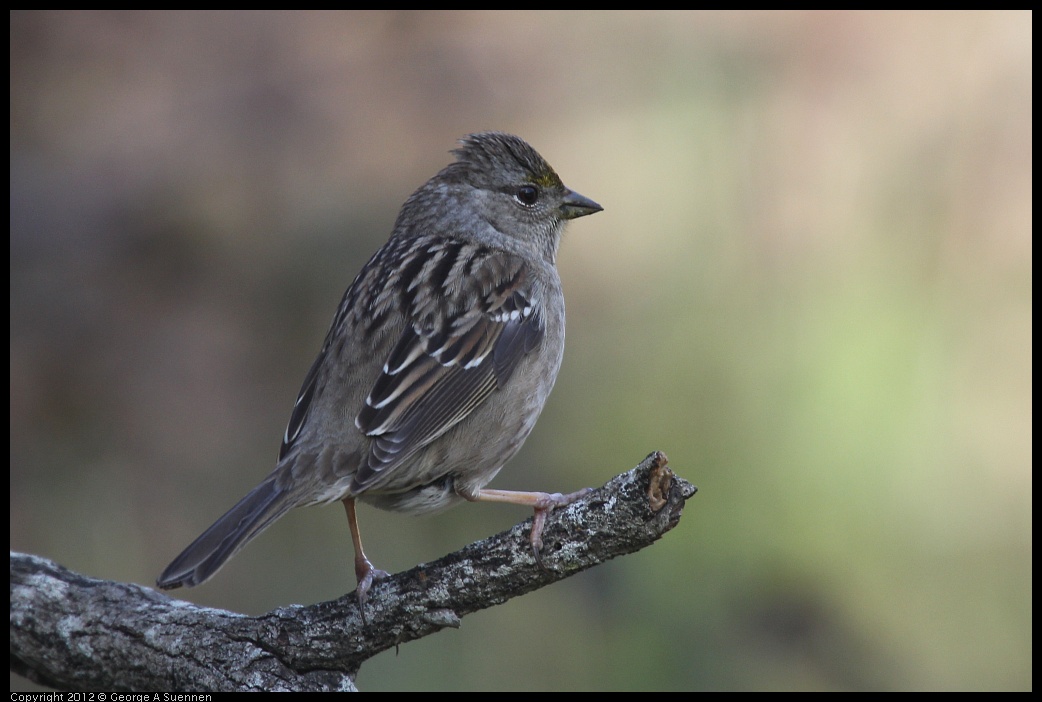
575 205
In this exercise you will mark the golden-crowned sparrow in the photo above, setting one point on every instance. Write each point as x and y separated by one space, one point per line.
437 364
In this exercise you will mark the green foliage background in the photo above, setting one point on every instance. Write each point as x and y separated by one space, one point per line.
810 287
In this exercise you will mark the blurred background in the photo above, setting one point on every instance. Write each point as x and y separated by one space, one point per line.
810 287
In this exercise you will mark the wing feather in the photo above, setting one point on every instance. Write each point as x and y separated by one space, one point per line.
447 363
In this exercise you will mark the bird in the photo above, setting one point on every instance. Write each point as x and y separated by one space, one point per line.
437 364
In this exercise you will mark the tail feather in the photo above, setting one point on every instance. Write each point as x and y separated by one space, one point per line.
205 556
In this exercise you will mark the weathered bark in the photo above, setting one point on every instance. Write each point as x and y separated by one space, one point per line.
72 632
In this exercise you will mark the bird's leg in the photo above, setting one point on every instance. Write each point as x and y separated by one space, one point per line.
365 572
542 502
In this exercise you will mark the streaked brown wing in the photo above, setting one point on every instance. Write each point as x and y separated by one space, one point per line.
456 352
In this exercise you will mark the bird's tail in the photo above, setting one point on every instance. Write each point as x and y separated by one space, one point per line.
205 556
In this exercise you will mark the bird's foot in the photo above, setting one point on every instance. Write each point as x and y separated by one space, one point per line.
546 504
367 574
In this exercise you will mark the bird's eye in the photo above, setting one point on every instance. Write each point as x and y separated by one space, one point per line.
527 195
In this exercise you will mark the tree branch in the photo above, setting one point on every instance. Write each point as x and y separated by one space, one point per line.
72 632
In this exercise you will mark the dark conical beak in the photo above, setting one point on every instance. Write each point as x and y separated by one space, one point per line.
575 205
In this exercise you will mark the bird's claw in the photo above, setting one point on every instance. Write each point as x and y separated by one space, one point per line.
367 574
544 507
